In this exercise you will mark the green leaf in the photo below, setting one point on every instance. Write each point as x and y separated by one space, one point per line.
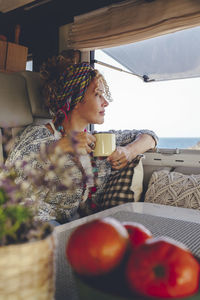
3 196
12 218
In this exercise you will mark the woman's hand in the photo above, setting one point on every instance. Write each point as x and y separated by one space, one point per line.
84 141
123 155
81 142
120 158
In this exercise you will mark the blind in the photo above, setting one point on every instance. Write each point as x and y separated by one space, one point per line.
132 21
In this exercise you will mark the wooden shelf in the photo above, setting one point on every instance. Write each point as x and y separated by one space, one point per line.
13 57
3 49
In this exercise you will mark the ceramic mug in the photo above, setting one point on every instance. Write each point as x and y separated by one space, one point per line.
105 143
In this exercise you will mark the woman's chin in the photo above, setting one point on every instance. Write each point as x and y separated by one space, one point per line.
100 122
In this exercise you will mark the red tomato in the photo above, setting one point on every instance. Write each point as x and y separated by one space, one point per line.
97 247
138 233
161 268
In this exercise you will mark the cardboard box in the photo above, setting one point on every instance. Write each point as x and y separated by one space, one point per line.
3 50
13 57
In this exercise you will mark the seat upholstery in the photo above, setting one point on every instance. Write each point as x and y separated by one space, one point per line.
34 89
21 101
14 101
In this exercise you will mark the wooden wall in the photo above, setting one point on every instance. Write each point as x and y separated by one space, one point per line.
40 25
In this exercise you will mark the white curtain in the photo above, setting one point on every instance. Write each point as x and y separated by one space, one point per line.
132 21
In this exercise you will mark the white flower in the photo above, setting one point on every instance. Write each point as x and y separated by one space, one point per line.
43 148
18 163
28 168
2 175
82 151
61 162
66 179
50 175
58 151
25 185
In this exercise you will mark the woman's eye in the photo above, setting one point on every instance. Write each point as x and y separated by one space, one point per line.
100 95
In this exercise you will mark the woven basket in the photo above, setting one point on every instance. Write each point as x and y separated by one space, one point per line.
27 270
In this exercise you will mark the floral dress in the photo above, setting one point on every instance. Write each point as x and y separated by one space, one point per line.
63 206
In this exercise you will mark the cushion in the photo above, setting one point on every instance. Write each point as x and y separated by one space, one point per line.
34 88
15 107
122 187
174 188
137 181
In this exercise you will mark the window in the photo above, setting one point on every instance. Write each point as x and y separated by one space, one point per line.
29 65
170 108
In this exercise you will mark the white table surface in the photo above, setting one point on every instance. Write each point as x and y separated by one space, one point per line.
179 223
179 213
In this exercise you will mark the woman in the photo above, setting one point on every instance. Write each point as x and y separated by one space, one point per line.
77 95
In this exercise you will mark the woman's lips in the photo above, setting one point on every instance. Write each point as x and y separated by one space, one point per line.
102 112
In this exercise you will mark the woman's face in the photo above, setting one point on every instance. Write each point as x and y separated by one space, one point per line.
92 109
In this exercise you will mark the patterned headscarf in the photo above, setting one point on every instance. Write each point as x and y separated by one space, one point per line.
65 86
72 85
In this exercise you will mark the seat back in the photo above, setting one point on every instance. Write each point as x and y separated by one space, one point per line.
21 103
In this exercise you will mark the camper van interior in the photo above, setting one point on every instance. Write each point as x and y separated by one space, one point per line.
151 40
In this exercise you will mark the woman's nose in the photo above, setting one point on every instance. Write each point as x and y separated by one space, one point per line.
105 103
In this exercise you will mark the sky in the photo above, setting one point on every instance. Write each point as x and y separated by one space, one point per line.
170 108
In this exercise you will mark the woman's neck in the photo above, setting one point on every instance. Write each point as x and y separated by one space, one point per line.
73 125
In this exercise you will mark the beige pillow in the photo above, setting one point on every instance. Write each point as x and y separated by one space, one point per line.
174 188
137 181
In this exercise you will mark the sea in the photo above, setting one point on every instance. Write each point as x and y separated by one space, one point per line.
178 142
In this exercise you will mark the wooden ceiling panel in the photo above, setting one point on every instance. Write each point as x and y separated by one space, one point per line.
8 5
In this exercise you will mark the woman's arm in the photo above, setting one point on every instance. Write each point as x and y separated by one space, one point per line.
141 142
124 137
140 145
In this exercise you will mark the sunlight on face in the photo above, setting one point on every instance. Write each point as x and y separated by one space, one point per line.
92 109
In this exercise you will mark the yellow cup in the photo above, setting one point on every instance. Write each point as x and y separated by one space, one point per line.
105 144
